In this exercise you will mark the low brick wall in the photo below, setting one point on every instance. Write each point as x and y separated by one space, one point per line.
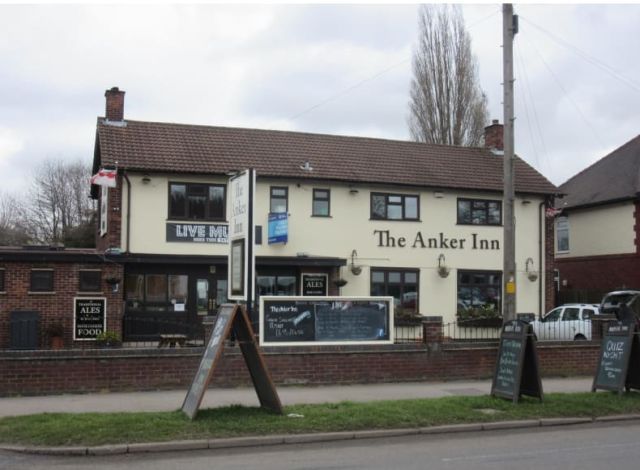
73 371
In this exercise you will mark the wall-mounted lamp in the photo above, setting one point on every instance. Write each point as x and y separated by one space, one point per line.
438 194
443 270
146 179
528 267
356 270
526 202
353 191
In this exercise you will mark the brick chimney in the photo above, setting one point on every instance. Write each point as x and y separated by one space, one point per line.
494 136
115 104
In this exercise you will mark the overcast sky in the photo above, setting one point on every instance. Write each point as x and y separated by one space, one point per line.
339 69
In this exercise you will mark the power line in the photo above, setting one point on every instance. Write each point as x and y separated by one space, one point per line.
568 96
373 77
588 58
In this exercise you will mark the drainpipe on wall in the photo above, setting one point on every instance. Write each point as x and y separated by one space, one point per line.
542 235
126 177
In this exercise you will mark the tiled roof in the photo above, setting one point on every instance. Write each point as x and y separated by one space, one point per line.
179 148
613 178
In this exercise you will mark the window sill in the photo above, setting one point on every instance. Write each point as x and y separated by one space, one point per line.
198 221
86 292
396 220
3 292
41 292
322 216
479 225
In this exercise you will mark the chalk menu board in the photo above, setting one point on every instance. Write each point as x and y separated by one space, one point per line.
619 359
516 371
325 320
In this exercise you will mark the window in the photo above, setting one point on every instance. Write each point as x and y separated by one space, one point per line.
481 290
41 280
321 203
197 201
156 292
562 234
276 285
402 285
394 206
279 199
479 212
89 280
552 316
571 314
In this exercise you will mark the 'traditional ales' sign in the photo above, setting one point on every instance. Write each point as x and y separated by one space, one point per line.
89 318
314 284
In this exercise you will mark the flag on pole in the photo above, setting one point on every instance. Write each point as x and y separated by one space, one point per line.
551 212
105 178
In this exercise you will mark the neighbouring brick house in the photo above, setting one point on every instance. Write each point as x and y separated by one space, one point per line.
421 223
597 245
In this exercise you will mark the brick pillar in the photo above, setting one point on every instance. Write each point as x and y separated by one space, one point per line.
599 325
432 331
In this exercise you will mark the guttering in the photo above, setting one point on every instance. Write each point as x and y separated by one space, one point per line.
126 177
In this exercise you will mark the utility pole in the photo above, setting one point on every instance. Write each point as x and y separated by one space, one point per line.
509 30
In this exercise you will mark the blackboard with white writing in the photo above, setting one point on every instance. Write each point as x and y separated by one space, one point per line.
619 359
89 318
516 372
305 320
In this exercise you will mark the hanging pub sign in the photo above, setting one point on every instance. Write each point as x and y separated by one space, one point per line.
517 372
619 362
197 233
241 260
89 318
278 228
314 284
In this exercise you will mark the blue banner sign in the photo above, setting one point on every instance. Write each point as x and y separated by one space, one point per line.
278 228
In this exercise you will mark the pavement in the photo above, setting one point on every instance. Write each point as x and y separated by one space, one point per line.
172 400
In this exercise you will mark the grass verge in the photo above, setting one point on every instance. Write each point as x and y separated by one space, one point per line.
91 429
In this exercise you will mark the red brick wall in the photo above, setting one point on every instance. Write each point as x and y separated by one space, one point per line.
549 260
29 373
56 307
600 272
114 218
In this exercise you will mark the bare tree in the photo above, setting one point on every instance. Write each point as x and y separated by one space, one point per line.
13 231
59 207
447 105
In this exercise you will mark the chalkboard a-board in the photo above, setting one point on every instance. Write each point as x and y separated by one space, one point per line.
230 317
516 372
297 320
619 360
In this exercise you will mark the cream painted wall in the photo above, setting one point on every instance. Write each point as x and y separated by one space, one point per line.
602 230
349 228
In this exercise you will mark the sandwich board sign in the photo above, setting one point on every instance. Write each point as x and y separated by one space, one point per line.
619 361
230 318
516 372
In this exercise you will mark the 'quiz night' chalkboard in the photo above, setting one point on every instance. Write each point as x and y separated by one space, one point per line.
516 371
326 320
619 359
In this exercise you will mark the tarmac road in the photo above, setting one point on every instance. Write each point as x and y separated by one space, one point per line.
584 447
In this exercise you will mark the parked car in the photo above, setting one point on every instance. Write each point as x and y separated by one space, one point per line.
612 301
566 323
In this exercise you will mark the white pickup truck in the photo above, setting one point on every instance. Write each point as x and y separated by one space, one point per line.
566 323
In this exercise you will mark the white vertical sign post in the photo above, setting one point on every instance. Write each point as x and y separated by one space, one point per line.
241 263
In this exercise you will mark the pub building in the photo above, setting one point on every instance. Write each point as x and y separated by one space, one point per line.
334 215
